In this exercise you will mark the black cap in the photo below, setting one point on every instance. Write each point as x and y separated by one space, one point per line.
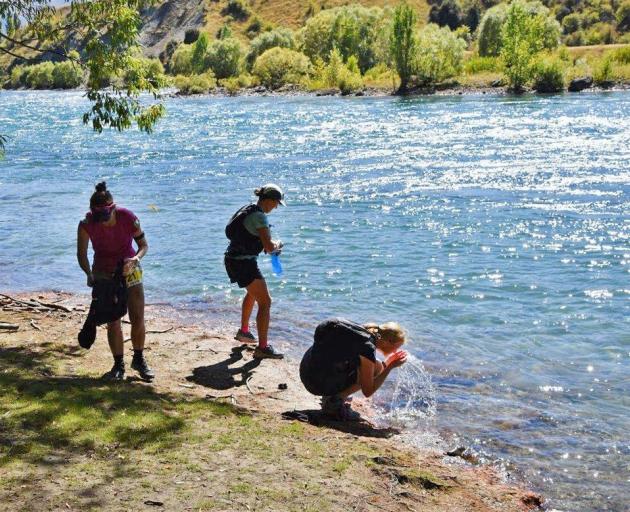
272 191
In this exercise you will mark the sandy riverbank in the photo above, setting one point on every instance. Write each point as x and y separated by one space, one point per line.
208 434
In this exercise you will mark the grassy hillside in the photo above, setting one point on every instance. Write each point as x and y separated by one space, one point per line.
171 18
293 13
588 22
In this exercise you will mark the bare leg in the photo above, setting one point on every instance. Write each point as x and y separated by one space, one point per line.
378 368
138 331
115 338
136 316
258 289
246 310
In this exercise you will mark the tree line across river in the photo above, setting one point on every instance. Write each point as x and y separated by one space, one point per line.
348 48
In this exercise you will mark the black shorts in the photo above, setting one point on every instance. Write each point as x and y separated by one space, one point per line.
323 379
242 272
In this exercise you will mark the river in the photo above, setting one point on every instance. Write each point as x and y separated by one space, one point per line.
495 229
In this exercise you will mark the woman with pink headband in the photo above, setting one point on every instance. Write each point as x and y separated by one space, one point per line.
112 230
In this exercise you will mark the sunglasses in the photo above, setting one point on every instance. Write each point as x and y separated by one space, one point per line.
103 213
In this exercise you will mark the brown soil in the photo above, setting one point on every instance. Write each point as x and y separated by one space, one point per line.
294 465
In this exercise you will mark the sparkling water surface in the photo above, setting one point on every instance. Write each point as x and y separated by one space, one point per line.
494 229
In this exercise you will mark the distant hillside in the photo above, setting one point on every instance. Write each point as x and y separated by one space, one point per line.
584 22
170 19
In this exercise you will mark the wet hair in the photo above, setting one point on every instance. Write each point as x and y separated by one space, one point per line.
389 331
101 196
259 191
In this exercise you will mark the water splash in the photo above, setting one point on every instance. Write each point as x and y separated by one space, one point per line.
413 401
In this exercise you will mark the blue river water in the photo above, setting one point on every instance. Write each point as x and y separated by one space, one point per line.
494 229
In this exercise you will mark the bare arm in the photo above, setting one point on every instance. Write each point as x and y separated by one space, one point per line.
83 240
371 380
143 247
142 243
265 237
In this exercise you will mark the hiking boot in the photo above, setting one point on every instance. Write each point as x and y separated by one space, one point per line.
140 365
245 337
338 409
331 405
267 353
117 373
347 413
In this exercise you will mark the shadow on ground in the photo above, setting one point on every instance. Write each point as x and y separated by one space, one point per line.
361 428
42 413
223 375
52 425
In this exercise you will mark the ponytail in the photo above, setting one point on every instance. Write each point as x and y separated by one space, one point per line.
101 196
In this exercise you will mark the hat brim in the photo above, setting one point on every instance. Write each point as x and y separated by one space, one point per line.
282 202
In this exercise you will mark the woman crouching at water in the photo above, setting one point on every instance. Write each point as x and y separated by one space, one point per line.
112 229
249 234
343 361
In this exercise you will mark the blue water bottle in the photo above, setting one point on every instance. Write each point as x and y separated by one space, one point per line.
275 259
275 263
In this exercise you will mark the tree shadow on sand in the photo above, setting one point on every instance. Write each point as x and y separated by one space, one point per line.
361 428
51 424
223 375
46 418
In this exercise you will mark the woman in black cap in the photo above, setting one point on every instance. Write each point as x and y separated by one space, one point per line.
249 234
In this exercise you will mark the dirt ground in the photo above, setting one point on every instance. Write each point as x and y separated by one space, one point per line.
216 430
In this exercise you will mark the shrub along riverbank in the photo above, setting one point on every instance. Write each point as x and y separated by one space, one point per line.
351 48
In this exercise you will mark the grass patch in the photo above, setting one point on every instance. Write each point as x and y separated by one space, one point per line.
42 414
293 429
593 52
206 504
604 62
621 72
482 79
341 465
421 478
477 64
241 488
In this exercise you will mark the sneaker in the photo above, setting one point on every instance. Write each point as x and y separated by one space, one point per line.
117 373
245 337
141 366
267 353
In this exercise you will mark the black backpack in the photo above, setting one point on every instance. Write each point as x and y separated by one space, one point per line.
242 242
340 330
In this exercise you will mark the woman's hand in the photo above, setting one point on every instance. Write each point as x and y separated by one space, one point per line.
396 359
277 247
90 280
130 265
